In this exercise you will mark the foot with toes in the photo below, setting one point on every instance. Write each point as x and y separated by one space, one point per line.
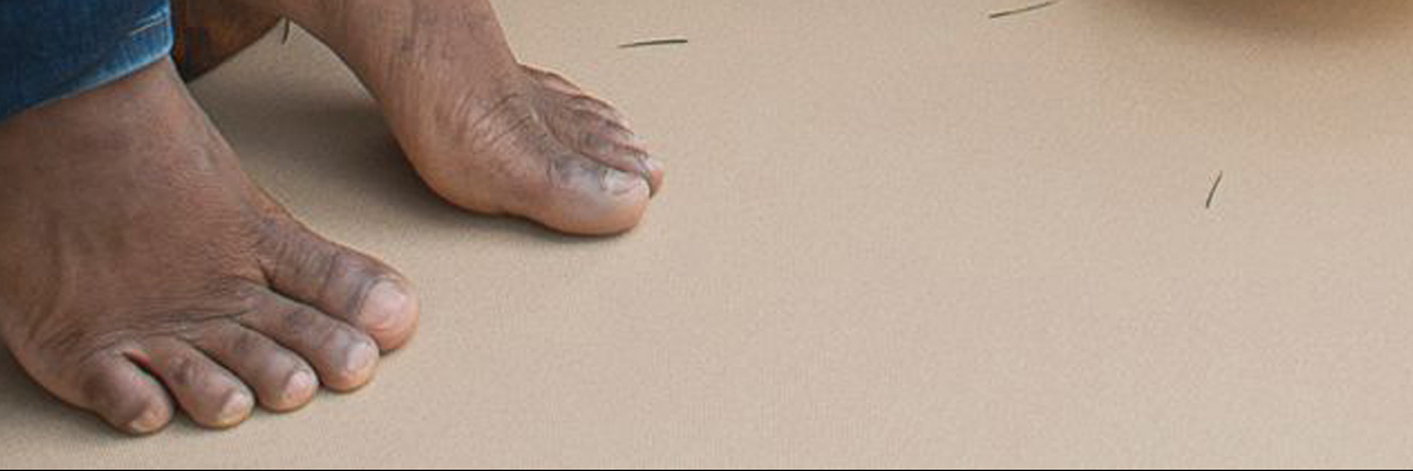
485 132
143 274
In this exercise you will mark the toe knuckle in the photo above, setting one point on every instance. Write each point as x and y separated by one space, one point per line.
247 298
361 268
244 342
586 102
300 319
182 370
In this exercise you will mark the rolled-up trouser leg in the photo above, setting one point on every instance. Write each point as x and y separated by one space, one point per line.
52 49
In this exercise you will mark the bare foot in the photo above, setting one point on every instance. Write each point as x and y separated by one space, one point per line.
140 269
484 131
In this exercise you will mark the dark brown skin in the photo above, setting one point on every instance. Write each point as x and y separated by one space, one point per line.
141 271
485 132
136 254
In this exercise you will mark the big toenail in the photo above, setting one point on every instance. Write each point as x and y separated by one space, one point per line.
621 182
235 409
384 306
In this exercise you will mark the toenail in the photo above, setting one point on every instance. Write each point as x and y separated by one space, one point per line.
621 182
298 386
384 306
360 358
150 421
644 170
236 408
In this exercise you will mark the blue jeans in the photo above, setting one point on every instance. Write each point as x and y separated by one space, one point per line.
52 49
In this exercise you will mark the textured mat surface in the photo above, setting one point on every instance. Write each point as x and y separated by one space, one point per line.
893 233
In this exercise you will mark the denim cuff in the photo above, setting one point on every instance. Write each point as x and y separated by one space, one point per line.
53 49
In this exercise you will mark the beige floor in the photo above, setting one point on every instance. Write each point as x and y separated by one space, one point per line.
894 233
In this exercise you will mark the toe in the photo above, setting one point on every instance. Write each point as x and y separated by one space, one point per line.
388 312
551 80
571 192
586 105
611 144
344 357
356 288
591 198
596 129
282 381
210 394
125 396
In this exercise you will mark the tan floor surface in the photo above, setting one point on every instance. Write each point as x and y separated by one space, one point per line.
893 233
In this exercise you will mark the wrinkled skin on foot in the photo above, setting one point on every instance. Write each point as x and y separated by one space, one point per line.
141 272
484 131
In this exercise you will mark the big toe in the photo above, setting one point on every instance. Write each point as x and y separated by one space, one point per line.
590 198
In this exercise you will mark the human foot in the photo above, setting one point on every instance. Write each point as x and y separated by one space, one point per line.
139 268
484 131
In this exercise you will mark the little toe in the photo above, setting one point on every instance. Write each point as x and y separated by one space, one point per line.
210 394
125 396
282 381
